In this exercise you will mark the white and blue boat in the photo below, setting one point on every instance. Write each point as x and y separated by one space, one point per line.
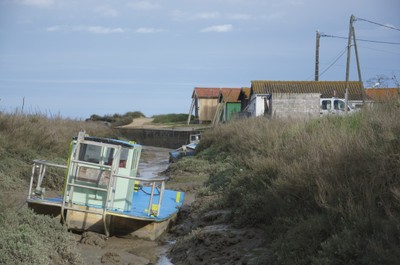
102 192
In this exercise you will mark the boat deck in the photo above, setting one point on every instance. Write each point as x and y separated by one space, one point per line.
170 204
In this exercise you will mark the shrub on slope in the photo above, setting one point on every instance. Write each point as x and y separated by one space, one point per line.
327 191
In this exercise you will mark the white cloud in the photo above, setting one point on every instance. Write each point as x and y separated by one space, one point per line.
180 15
143 5
207 15
239 16
103 30
56 28
106 11
218 28
37 3
272 16
90 29
148 30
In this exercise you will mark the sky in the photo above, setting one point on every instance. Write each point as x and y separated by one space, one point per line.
75 58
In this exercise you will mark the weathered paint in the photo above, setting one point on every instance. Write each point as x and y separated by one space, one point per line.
230 110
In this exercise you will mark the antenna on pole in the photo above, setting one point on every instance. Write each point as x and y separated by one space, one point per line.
318 36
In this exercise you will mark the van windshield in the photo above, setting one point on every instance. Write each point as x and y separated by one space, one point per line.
338 105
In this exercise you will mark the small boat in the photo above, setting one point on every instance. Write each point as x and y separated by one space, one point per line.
185 150
102 192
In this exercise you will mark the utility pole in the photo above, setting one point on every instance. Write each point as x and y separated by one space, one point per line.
318 36
358 65
346 96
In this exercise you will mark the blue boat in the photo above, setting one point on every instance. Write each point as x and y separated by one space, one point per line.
185 150
102 192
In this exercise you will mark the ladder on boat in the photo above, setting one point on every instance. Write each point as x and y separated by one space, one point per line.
76 164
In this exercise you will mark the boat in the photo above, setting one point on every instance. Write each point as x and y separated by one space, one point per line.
102 191
185 150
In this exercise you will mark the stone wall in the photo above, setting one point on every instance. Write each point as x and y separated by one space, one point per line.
167 138
296 106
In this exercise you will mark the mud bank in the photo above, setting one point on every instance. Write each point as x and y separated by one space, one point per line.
207 237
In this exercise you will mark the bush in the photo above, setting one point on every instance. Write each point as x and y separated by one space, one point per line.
117 119
170 118
35 136
27 238
342 168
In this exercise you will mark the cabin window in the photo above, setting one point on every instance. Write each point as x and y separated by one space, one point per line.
123 158
90 153
110 157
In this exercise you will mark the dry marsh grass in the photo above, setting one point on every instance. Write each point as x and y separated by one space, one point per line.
27 238
24 137
326 191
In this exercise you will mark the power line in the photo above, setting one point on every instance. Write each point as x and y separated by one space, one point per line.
334 61
379 50
376 23
373 41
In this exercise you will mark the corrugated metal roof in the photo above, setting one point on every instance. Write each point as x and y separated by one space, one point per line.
205 92
326 88
381 94
230 94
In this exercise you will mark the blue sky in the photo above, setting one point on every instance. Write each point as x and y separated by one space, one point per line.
76 58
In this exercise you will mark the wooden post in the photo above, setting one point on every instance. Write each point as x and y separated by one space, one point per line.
346 97
358 66
318 36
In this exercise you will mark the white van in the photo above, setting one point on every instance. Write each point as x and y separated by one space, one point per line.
334 106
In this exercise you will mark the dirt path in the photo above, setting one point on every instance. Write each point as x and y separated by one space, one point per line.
143 123
96 249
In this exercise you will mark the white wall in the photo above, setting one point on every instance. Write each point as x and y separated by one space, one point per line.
293 105
256 106
286 105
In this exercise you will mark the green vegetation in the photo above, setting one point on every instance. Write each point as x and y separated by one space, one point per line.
326 191
27 238
117 119
35 136
171 118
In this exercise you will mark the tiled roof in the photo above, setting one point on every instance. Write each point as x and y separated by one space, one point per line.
205 92
325 88
230 94
381 94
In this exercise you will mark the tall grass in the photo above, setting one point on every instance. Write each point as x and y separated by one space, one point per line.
326 191
27 238
24 137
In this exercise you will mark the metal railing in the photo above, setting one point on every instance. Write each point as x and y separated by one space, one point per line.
39 169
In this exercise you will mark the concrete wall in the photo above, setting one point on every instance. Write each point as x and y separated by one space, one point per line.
160 138
295 105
